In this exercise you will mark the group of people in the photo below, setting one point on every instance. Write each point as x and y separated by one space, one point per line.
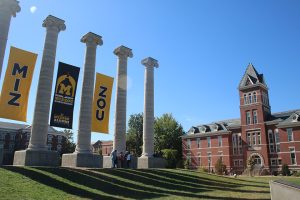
122 160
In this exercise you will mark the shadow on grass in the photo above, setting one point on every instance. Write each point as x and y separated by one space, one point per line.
51 182
211 181
248 181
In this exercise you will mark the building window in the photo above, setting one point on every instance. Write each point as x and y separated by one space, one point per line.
290 134
220 140
245 99
199 159
59 139
250 98
59 147
188 146
235 163
209 158
249 139
240 163
255 121
208 142
50 138
258 138
279 161
274 162
248 117
271 141
254 97
253 138
293 155
277 140
221 155
198 143
49 146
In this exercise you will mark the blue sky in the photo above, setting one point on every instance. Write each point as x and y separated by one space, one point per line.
203 48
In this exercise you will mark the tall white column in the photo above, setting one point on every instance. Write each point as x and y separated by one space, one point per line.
121 94
8 8
85 117
148 120
40 125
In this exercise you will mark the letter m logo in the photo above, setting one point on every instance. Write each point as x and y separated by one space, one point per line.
20 70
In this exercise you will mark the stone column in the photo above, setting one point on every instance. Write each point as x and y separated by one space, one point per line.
121 94
83 156
147 160
148 120
8 8
39 132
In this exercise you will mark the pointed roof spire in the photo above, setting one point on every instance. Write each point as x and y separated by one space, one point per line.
251 77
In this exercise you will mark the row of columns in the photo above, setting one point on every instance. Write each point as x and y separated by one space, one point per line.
37 153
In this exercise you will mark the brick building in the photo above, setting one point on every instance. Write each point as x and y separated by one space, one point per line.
105 147
14 137
271 139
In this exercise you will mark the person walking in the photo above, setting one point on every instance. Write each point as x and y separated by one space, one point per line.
121 159
114 159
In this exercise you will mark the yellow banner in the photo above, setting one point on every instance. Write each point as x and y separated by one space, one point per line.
101 103
16 85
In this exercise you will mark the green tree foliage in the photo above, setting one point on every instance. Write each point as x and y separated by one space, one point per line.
171 156
134 138
220 168
69 146
167 132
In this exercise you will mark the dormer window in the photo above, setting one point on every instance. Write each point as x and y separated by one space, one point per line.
295 118
202 129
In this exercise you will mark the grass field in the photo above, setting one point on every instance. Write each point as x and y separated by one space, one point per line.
65 183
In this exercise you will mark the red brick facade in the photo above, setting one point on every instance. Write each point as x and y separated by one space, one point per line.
270 139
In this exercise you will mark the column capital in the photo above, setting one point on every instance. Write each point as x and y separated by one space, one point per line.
92 38
150 62
54 22
10 5
123 51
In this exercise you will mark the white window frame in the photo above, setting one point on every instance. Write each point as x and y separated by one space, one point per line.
220 141
250 98
198 143
248 117
255 118
254 97
294 152
258 138
292 134
208 143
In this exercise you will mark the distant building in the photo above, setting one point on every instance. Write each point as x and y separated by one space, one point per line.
270 139
105 147
14 137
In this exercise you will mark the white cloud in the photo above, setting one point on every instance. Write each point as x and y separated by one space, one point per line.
33 9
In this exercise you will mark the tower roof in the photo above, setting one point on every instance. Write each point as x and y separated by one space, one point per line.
252 77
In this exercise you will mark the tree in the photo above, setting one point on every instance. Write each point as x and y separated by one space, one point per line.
167 135
250 165
171 156
134 138
220 167
69 146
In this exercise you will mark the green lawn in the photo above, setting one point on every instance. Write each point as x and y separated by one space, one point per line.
65 183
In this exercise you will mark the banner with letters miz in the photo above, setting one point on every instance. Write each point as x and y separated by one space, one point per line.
64 96
16 85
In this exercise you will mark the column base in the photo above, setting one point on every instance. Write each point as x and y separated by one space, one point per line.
88 160
31 157
151 162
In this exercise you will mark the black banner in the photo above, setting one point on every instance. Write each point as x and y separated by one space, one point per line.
64 96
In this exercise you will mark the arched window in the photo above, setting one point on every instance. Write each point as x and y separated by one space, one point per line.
254 97
250 98
245 99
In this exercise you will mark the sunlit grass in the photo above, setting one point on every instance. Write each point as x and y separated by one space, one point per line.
65 183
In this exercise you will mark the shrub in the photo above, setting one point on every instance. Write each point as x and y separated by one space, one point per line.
220 168
203 169
264 172
296 173
170 155
285 171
